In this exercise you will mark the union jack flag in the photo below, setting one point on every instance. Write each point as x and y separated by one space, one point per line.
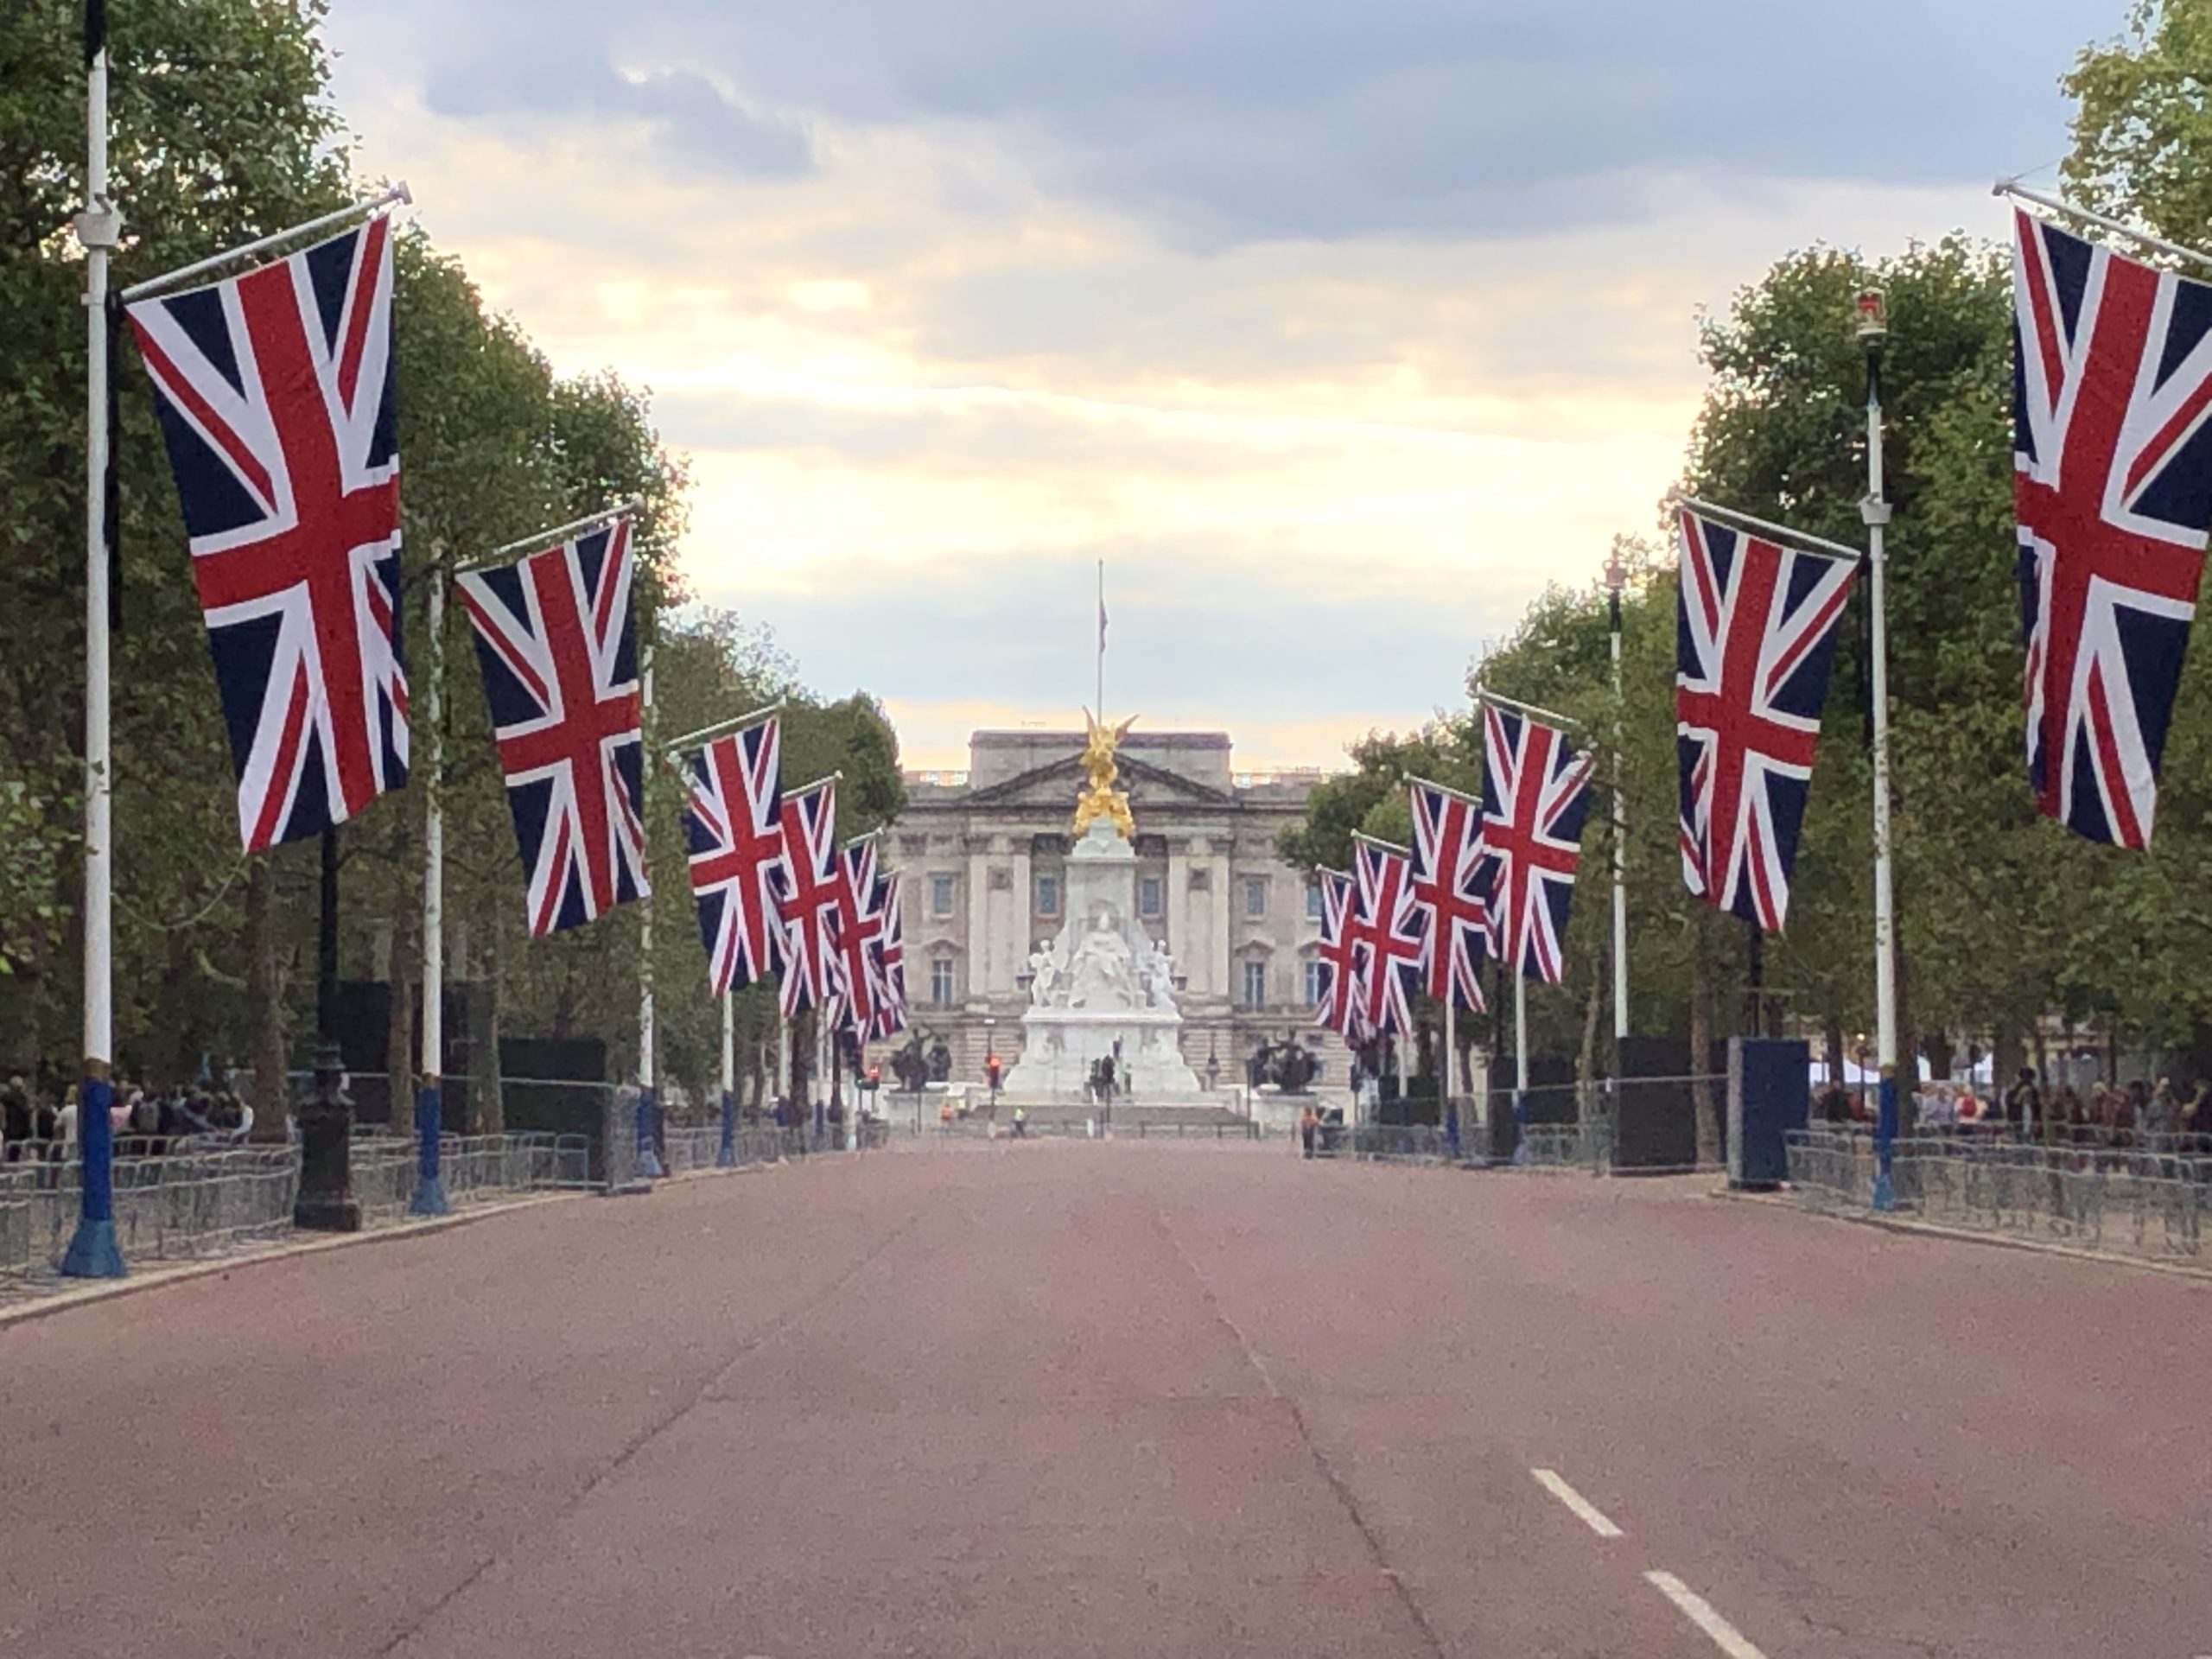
859 931
807 906
1755 636
734 826
559 648
1450 901
1387 934
1535 793
2112 469
275 394
1343 1002
891 959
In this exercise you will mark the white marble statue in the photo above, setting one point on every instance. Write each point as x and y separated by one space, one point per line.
1103 973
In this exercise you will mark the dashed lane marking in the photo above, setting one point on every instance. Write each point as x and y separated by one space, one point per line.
1699 1611
1584 1509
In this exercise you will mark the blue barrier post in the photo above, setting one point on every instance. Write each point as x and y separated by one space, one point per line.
648 1159
92 1252
430 1198
725 1155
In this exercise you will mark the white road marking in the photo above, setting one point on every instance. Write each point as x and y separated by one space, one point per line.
1699 1611
1584 1510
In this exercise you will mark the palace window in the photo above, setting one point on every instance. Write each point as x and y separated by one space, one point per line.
1313 970
1048 895
1255 984
1147 895
1255 896
943 889
1314 901
942 991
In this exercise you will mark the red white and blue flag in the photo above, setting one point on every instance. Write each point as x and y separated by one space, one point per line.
1387 932
275 390
733 822
1755 638
807 906
891 959
1535 794
1342 1004
860 934
558 644
1451 901
2113 488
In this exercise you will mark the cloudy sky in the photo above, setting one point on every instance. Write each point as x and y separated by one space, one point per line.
1338 331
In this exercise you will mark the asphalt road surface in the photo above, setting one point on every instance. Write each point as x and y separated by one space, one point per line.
1119 1399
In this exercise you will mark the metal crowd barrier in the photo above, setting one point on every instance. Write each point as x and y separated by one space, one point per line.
2135 1202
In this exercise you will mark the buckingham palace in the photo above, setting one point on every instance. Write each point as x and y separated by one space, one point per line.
983 853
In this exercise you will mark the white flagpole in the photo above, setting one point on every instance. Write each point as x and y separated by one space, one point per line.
1873 333
648 1159
727 1155
1520 1064
92 1252
430 1198
1616 580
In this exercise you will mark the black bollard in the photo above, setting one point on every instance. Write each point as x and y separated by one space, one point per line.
326 1118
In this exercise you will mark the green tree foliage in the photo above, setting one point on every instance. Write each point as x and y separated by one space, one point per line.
224 131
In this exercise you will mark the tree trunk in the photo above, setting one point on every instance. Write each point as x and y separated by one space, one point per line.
490 1113
399 1032
1701 1098
1832 1044
1585 1065
265 1005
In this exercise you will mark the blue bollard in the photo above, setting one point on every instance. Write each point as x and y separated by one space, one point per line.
92 1252
648 1159
430 1198
726 1156
1520 1128
1885 1140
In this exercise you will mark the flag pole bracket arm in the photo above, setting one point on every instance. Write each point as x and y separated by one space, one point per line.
544 540
723 727
1483 694
396 195
2018 192
1387 846
1798 539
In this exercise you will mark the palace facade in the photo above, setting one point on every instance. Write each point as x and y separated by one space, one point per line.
983 855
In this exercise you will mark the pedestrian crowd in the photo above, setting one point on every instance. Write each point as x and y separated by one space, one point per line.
2158 1117
39 1124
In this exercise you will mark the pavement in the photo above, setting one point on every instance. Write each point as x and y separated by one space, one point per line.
1120 1399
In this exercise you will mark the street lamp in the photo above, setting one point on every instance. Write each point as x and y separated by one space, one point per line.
1871 326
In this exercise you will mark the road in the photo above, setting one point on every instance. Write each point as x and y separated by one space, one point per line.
1119 1399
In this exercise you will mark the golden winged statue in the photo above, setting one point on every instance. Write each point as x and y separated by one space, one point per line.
1102 799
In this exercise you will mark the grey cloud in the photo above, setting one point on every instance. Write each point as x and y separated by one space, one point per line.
695 123
1239 119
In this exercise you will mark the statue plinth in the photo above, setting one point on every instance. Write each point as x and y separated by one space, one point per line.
1102 987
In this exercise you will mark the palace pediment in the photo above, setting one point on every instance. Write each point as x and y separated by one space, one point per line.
1053 787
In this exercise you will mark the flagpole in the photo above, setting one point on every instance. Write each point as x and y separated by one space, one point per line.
398 194
1520 1065
725 1155
1616 580
1874 334
92 1252
648 1159
1446 1119
430 1198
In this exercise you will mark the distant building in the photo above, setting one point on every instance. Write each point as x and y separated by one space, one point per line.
982 852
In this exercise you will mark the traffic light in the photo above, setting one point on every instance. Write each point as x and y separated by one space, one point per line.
875 1078
991 1069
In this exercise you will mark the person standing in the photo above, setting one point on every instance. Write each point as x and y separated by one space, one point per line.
1309 1125
2023 1103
